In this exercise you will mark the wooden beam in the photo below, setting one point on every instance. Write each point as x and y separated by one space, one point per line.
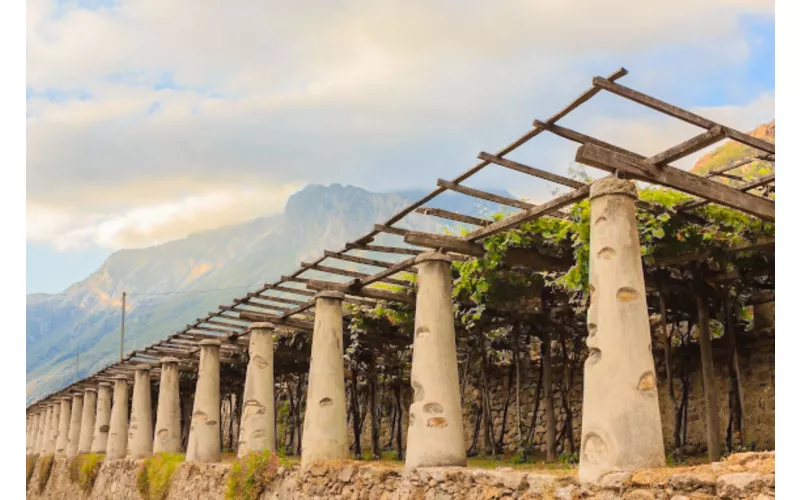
530 214
681 114
383 249
684 149
351 274
275 299
265 306
595 156
372 293
359 260
290 322
384 275
756 183
384 228
731 166
447 214
443 242
542 174
483 195
287 289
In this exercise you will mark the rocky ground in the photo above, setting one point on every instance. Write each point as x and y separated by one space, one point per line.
744 475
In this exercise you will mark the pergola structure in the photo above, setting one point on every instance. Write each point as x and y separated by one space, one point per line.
293 302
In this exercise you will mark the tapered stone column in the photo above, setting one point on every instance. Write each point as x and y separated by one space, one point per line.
76 412
140 432
435 430
257 430
102 421
47 432
63 427
118 428
28 426
40 433
168 419
87 420
621 428
204 438
325 425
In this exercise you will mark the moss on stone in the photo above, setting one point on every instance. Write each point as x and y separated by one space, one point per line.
154 475
250 475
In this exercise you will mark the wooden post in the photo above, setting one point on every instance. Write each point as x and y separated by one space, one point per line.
549 409
709 383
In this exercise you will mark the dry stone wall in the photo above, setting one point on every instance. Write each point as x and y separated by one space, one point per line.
741 476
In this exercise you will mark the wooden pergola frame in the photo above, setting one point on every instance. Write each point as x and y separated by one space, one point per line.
289 303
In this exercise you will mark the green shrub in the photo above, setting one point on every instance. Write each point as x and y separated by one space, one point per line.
568 458
251 474
45 467
30 464
83 470
154 474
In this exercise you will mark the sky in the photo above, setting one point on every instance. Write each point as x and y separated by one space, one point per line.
148 120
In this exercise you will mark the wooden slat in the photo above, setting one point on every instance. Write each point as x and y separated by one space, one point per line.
275 299
530 214
354 274
266 306
756 183
686 148
259 317
372 293
542 174
381 228
737 164
445 243
288 289
595 156
383 249
681 114
447 214
384 275
359 260
483 195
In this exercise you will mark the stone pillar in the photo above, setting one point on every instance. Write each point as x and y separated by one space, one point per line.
102 421
87 420
140 431
40 441
47 430
325 426
29 425
63 427
168 419
257 430
118 428
621 428
435 430
75 425
204 439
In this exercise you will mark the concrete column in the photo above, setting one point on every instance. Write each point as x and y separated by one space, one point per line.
75 425
204 438
29 425
168 419
140 432
621 427
435 430
31 449
40 441
63 427
44 447
325 426
118 428
102 421
87 420
257 430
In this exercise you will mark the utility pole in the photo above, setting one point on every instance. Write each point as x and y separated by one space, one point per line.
122 330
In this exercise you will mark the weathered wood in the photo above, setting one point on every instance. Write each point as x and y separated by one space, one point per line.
207 329
530 214
260 317
353 274
684 149
763 245
542 174
709 380
360 260
483 195
270 298
221 323
446 214
733 165
385 228
266 306
681 114
383 249
444 242
756 183
595 156
287 289
372 293
383 275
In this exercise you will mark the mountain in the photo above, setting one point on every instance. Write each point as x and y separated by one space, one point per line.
732 151
74 333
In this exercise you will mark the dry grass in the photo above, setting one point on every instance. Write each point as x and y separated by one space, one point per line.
45 467
30 465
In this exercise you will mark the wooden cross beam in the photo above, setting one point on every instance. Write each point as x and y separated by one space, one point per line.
446 214
372 293
383 249
599 157
681 114
686 148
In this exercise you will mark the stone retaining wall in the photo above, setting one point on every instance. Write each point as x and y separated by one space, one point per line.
746 475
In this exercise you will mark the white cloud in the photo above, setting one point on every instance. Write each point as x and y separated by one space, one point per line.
273 94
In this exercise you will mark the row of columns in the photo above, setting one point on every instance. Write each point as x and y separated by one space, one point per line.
621 434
